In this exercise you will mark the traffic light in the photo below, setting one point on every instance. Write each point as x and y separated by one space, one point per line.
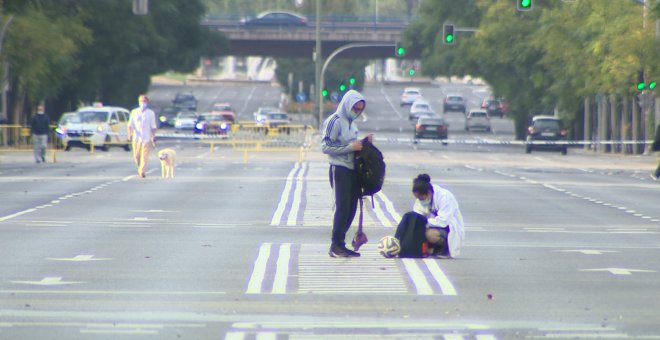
525 5
411 72
351 81
324 93
342 87
652 85
399 50
448 34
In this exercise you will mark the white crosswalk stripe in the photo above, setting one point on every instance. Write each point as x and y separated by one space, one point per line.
307 189
308 269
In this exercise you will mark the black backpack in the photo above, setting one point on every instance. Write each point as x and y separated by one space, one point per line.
411 233
370 167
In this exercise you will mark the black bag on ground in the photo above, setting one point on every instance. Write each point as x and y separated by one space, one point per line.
411 233
370 167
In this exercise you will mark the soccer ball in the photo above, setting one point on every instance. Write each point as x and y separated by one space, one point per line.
389 246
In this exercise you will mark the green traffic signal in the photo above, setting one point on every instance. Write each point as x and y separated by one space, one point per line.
351 81
411 72
524 5
400 51
342 87
324 93
448 34
652 85
641 86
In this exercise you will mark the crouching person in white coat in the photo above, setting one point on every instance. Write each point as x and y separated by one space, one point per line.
445 231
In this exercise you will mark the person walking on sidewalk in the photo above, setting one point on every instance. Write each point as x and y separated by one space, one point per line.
142 133
40 127
656 147
340 143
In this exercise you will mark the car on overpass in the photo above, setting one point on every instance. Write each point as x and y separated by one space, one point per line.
275 18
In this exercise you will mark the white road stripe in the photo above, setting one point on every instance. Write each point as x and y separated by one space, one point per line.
440 277
235 336
277 216
282 272
295 205
259 272
422 286
389 206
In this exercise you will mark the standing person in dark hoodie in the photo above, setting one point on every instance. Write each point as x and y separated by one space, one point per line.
40 127
340 143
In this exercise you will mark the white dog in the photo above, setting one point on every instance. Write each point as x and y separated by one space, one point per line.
167 161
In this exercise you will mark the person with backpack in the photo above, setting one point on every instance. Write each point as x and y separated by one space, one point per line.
340 142
437 209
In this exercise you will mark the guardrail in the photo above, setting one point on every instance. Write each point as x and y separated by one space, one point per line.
250 137
19 137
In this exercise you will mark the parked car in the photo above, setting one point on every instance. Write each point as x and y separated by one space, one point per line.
97 126
419 106
167 115
431 127
275 119
275 18
66 119
477 119
260 114
185 100
212 124
546 130
185 120
225 110
410 95
494 107
454 102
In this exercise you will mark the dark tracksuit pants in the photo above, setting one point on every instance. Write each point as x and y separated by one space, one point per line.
345 184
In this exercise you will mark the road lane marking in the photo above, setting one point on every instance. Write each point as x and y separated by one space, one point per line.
295 204
79 258
49 281
618 271
589 251
440 277
282 272
284 198
420 282
259 272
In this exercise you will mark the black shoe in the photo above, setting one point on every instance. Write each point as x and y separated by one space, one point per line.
43 159
337 251
351 253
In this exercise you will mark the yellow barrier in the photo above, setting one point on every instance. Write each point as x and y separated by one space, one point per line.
251 137
19 137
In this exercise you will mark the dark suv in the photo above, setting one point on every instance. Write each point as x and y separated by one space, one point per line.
544 132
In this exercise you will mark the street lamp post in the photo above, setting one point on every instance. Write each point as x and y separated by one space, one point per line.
329 59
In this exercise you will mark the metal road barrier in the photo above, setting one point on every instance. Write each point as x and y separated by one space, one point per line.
249 137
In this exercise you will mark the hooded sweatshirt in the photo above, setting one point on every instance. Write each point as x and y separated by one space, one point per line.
339 132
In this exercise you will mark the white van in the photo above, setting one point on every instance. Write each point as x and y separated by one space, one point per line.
101 127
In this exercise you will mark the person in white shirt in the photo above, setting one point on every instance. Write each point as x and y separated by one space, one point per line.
445 230
142 132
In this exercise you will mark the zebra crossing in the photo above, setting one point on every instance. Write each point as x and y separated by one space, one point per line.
307 200
307 269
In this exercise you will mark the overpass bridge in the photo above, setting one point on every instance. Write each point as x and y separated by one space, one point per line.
299 42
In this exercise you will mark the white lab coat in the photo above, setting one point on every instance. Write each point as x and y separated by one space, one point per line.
442 212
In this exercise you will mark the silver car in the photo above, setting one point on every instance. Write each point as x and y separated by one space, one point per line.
477 119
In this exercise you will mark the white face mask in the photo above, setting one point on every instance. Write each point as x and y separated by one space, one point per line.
425 203
143 106
353 115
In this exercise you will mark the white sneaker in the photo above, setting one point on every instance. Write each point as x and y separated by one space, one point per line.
655 178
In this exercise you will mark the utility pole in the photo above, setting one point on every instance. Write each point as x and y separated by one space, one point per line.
5 78
318 57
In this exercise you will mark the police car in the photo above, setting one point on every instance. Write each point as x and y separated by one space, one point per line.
100 126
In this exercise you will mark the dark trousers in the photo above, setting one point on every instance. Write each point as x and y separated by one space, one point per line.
345 184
